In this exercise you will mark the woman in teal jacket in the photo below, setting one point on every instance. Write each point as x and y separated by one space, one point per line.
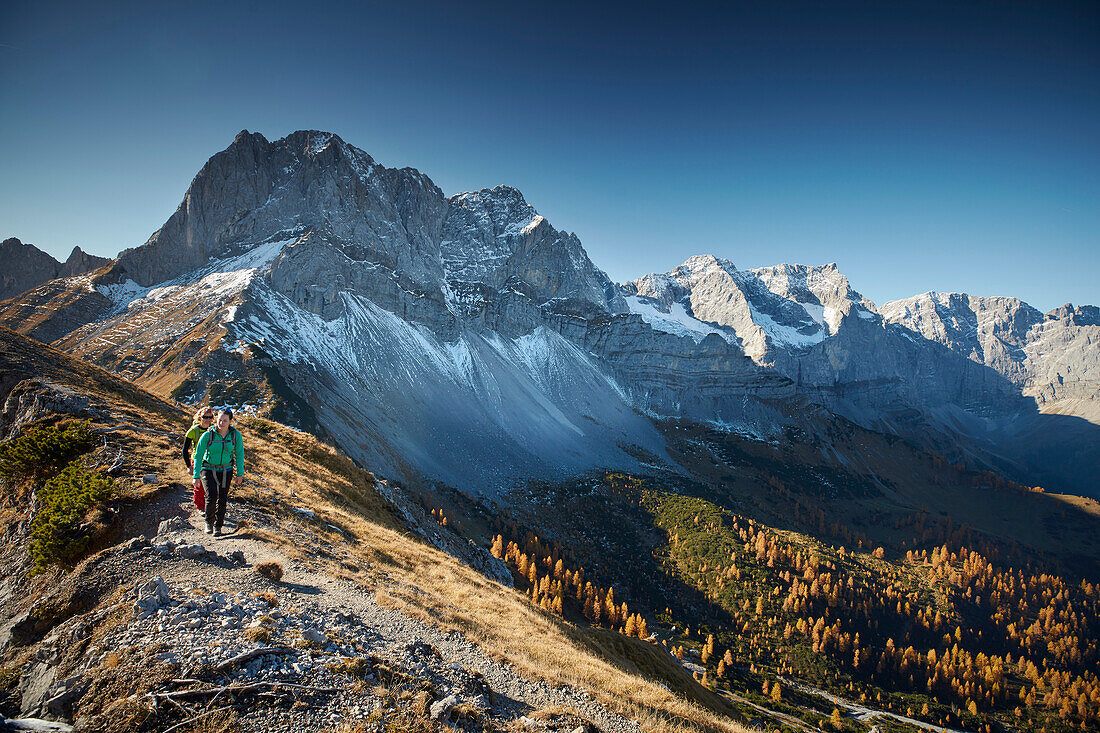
220 449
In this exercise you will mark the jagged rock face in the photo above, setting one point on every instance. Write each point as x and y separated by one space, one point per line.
495 244
389 235
27 267
670 375
80 262
769 310
256 191
990 331
809 325
954 373
1051 357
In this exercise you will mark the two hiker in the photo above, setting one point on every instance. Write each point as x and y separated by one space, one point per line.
219 448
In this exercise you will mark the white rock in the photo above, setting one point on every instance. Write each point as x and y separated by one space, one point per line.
441 709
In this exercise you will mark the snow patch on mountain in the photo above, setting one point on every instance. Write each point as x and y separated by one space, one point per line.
530 226
784 335
676 321
786 307
218 280
478 411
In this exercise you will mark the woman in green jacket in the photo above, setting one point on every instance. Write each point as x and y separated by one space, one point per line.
220 449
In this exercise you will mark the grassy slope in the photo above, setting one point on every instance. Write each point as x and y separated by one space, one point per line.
287 468
885 483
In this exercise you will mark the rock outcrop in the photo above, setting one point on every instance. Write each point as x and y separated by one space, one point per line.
27 267
1049 356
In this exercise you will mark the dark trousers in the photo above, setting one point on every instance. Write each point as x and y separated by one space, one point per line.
216 484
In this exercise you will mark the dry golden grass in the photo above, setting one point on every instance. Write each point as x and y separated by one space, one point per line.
425 583
270 570
257 634
289 468
430 585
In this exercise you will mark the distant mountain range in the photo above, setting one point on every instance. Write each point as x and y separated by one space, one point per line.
465 340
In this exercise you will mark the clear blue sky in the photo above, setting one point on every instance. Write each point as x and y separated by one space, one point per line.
920 145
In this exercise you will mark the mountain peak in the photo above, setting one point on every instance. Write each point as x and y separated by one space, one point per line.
500 193
244 137
698 264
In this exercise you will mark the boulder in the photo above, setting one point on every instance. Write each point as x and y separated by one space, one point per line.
35 686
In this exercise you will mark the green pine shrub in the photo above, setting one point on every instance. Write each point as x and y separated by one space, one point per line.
63 503
259 426
42 452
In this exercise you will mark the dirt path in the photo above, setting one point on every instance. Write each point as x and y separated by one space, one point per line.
311 598
788 719
865 714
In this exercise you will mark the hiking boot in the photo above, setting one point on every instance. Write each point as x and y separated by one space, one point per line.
209 528
218 531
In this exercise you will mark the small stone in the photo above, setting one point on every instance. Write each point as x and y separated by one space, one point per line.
238 557
137 543
441 709
192 551
154 590
164 548
172 525
314 636
149 478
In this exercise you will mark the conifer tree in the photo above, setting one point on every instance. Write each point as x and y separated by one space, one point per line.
631 627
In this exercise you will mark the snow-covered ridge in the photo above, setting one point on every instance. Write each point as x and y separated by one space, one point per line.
217 281
793 307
